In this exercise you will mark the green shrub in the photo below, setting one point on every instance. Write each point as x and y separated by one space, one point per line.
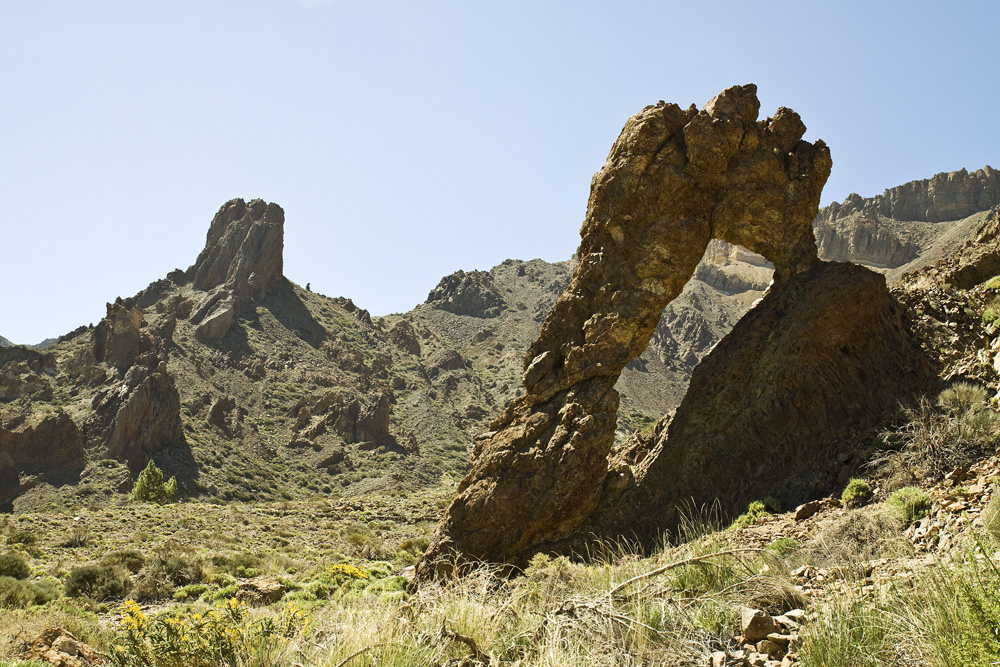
18 594
783 546
911 502
149 487
224 635
962 397
857 493
991 515
21 536
189 592
13 565
131 559
98 582
755 511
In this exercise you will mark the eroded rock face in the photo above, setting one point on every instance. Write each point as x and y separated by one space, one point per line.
819 362
674 180
241 263
472 294
139 412
863 239
945 196
36 448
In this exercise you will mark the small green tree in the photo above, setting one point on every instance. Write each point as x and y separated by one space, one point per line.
149 487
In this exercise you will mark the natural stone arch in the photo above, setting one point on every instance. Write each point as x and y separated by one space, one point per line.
674 180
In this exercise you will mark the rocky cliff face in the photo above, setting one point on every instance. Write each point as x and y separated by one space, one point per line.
945 196
865 240
776 407
673 181
241 263
37 448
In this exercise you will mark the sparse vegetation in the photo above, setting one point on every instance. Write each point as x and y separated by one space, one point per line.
858 492
911 502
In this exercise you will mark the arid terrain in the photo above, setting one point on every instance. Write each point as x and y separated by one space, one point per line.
231 469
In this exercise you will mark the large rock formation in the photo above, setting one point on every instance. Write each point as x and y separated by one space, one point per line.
823 357
36 448
472 294
674 180
775 409
241 263
138 410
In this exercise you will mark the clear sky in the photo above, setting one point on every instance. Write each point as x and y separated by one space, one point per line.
406 140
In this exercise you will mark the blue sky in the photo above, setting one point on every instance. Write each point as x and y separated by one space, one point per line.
406 140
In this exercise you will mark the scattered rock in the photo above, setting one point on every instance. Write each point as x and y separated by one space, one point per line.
259 591
61 648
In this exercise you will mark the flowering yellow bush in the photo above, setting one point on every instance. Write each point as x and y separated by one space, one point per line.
223 635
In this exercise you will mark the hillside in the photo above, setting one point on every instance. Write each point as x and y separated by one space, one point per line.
4 342
308 394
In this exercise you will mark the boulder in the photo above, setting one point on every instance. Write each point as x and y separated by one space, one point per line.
216 325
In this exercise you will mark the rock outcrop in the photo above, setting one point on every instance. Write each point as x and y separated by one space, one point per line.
25 373
975 263
674 180
241 263
37 448
945 196
863 239
472 294
775 407
138 411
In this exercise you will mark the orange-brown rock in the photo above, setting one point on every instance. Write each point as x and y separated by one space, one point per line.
546 478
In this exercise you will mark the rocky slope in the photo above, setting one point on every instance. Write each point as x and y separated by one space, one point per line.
271 390
4 342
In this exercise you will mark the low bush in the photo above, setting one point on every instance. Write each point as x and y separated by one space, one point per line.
19 594
857 493
21 536
755 511
131 559
911 502
98 582
13 565
224 635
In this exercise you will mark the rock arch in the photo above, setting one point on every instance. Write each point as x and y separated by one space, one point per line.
674 180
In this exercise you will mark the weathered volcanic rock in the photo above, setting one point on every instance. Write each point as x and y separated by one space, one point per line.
976 262
140 412
241 262
674 180
945 196
472 294
25 372
36 448
860 238
821 360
